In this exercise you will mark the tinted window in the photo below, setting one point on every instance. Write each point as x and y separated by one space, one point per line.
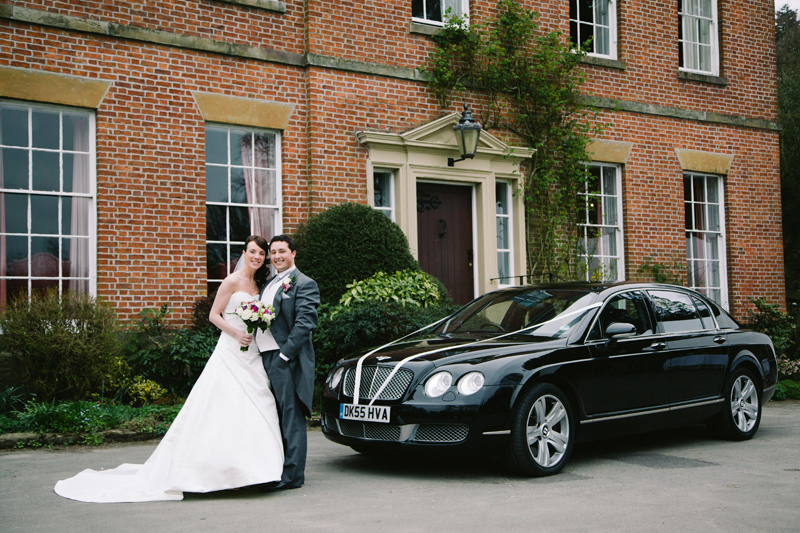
675 312
539 312
629 308
705 313
724 320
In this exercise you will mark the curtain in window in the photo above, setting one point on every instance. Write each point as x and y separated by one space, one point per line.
79 220
259 173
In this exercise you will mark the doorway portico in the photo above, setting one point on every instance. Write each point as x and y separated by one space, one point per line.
464 220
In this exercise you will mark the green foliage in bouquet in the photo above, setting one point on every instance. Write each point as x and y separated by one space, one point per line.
60 346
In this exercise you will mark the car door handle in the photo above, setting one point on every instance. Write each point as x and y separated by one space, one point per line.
720 339
658 345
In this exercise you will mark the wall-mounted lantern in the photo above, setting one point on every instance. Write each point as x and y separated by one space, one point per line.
467 131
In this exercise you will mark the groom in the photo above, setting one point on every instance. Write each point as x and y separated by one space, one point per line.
288 355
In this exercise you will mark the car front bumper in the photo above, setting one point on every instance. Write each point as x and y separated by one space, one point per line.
472 424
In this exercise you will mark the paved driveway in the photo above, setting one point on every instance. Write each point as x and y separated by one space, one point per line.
674 481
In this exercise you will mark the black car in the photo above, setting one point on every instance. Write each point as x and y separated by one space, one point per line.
527 371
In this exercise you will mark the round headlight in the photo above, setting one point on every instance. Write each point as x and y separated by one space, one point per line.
335 378
470 383
438 384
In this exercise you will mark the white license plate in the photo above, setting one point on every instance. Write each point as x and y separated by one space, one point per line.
364 413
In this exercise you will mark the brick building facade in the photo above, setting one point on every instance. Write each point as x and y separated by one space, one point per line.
143 140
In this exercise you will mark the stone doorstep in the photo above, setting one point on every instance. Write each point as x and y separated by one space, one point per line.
10 440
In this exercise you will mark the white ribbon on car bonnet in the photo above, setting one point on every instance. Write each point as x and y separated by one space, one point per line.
400 364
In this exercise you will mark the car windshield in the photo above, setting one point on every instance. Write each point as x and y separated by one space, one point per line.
550 313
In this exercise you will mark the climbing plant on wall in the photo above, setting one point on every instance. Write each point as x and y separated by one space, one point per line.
526 82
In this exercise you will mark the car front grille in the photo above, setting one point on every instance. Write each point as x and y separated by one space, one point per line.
372 377
441 433
422 433
369 430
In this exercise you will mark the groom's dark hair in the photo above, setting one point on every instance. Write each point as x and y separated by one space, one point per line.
283 238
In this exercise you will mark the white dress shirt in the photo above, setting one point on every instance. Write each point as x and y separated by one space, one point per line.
264 339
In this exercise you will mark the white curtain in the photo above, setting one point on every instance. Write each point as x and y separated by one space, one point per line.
79 243
259 175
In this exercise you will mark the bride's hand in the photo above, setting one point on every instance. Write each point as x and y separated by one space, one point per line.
245 339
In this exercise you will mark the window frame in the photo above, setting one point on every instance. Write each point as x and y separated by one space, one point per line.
721 246
505 281
390 210
584 226
612 28
229 243
713 45
90 279
432 22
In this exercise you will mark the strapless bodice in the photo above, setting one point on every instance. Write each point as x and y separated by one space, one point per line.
237 299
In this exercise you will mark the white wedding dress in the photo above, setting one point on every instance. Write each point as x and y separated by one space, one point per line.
226 435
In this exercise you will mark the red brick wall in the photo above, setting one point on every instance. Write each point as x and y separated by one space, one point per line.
151 154
150 145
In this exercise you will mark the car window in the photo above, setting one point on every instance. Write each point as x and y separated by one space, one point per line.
628 308
550 313
705 313
675 312
724 320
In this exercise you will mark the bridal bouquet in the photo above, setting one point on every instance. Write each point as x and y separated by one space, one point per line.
255 315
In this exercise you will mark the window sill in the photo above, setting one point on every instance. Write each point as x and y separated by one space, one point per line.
267 5
702 78
423 29
604 62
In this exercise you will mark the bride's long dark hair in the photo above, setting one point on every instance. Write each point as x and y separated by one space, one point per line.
262 273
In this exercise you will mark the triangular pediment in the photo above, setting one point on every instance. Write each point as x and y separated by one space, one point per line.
440 133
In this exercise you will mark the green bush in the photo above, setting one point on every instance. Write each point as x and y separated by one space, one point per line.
406 287
68 417
347 243
88 418
201 310
781 327
153 419
354 329
60 346
172 358
11 398
787 390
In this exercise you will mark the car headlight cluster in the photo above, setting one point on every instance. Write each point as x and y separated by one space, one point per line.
335 377
440 382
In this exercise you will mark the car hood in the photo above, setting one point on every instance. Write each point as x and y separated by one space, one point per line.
448 350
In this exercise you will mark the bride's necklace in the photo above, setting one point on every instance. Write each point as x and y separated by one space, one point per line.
254 288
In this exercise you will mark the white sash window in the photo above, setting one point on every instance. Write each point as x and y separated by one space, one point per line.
243 194
47 199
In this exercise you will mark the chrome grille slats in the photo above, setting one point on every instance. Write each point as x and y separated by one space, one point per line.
441 433
369 430
372 377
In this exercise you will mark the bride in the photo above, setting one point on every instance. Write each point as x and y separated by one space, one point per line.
227 434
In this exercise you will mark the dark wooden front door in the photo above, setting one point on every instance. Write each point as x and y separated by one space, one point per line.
444 236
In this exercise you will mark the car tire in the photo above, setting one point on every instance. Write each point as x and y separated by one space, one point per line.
741 407
542 432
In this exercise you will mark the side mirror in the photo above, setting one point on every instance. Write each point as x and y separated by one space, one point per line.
619 330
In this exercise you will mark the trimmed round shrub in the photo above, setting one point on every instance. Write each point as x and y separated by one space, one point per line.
60 346
347 243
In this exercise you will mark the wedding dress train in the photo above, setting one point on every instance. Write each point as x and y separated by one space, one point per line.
227 435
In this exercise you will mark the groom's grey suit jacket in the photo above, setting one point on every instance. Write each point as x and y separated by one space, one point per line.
295 319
